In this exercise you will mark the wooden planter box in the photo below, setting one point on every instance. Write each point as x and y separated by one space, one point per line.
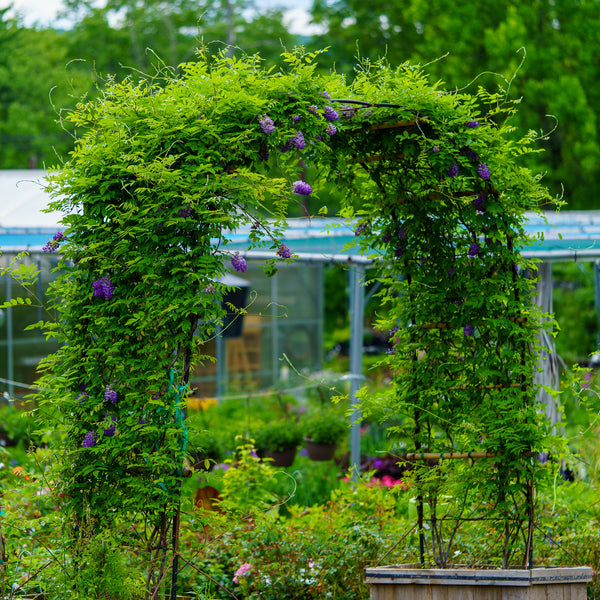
409 583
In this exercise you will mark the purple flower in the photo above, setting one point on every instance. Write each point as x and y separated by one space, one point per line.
209 289
469 330
360 228
453 170
474 249
263 153
142 422
331 129
436 148
185 212
348 111
479 202
110 430
472 124
286 147
378 463
483 171
283 251
313 109
89 440
52 246
330 114
110 394
402 233
298 141
326 95
302 188
266 124
297 118
542 457
103 288
468 152
385 238
238 262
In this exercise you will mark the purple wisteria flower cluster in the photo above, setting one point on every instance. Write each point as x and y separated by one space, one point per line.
103 288
110 394
453 170
483 171
185 212
52 246
478 203
266 124
283 251
474 249
238 262
110 430
469 330
302 188
89 440
331 129
298 141
330 114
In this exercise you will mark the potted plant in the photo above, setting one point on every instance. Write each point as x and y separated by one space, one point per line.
278 441
323 430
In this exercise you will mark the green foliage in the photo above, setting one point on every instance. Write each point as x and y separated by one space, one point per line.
537 51
247 485
313 552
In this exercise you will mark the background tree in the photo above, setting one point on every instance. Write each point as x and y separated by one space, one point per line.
126 34
558 76
36 82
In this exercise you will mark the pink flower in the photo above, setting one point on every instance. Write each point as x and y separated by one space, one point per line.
244 568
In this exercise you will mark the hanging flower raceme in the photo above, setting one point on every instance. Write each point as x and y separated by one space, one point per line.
302 188
330 114
53 245
110 395
283 251
89 440
103 288
266 124
474 249
483 171
453 170
298 141
238 262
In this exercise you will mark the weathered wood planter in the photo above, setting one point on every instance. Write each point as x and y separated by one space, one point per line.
411 583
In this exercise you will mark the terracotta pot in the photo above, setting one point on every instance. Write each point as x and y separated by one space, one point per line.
318 451
281 458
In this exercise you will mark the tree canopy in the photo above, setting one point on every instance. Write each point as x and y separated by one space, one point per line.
541 51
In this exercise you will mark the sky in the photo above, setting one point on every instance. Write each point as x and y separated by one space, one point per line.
44 12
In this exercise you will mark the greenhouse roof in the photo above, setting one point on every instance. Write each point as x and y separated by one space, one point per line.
568 235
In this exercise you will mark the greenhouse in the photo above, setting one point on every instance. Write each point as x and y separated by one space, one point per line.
282 330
